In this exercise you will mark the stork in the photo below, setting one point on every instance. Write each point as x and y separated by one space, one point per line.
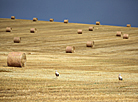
57 74
119 77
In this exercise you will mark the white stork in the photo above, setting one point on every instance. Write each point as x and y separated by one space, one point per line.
119 77
57 74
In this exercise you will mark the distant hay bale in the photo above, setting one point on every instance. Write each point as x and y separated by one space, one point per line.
97 23
17 39
70 49
12 17
8 29
90 44
35 19
79 31
16 59
125 36
33 30
51 20
66 21
128 25
91 28
118 33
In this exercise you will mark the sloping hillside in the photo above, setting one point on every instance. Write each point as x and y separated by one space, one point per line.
89 74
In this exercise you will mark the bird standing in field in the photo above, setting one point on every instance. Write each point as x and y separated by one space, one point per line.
57 74
119 77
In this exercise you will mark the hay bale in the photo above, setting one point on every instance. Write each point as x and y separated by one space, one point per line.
66 21
51 20
97 23
8 29
118 33
17 39
90 44
12 17
79 31
35 19
70 49
33 30
91 28
128 25
16 59
125 36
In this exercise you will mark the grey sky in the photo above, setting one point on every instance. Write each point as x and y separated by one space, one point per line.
108 12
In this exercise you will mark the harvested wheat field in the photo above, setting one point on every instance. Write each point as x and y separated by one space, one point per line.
89 74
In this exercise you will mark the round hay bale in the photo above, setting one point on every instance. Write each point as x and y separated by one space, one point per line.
33 30
125 36
97 23
90 44
70 49
51 20
91 28
35 19
128 25
118 33
12 17
8 29
79 31
16 59
66 21
17 39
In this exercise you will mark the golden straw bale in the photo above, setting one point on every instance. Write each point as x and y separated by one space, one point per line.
79 31
125 36
91 28
33 30
90 44
17 39
118 33
35 19
70 49
12 17
51 20
8 29
16 59
128 25
66 21
97 23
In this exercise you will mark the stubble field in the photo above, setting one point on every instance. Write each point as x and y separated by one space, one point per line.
89 74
